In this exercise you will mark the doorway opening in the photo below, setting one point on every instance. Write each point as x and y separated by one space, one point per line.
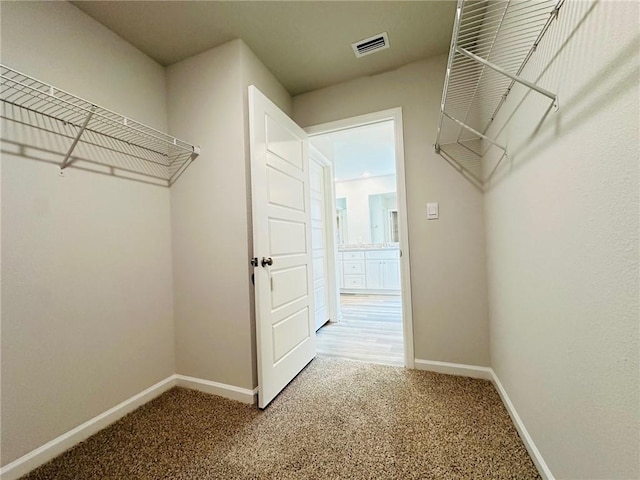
358 207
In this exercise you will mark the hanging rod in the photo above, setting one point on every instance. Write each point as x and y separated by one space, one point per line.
492 42
132 146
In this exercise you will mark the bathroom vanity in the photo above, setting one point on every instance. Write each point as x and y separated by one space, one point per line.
369 269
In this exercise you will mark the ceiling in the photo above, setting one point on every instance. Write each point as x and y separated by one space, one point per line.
360 152
305 44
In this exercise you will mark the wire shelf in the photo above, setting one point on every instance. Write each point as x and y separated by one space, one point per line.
91 132
492 42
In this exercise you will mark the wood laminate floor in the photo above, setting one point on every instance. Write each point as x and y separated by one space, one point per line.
371 330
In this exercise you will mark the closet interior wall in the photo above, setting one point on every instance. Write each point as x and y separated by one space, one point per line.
563 244
211 213
87 301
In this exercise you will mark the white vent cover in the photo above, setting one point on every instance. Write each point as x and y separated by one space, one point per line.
371 44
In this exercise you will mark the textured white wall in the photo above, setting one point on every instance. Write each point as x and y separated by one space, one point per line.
210 212
86 259
448 276
562 242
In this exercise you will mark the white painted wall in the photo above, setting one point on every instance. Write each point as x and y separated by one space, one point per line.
208 219
210 212
448 276
563 246
357 194
86 270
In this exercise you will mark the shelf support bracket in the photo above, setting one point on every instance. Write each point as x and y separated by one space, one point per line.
515 78
65 163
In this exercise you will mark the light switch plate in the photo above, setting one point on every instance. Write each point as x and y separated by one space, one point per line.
432 211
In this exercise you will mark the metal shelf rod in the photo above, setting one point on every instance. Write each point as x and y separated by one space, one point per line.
498 69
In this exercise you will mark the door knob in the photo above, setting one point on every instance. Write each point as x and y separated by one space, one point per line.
266 261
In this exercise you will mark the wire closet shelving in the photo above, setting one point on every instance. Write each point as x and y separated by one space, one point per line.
93 133
492 42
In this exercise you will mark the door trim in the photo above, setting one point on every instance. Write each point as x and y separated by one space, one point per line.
394 114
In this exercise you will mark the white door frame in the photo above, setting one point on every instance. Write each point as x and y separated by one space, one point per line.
394 114
335 315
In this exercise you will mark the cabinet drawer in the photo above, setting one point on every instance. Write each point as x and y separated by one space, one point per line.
353 267
354 281
383 254
353 255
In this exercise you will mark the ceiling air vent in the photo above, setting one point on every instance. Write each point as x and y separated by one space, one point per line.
371 44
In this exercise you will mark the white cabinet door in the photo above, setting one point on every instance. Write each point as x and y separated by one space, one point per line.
374 274
391 274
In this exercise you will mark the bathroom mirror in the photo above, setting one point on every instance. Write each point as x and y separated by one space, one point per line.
383 213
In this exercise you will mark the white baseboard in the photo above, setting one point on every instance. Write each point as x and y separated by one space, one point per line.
536 456
243 395
55 447
487 373
460 369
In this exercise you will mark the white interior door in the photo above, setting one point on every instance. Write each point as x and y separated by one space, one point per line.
285 325
319 249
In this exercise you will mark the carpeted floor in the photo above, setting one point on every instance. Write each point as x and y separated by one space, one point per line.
338 419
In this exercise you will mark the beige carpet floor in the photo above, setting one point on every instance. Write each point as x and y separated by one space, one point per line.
338 419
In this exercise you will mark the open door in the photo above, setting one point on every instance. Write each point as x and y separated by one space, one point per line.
285 324
318 242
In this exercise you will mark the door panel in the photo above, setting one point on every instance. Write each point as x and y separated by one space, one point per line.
318 222
282 142
286 237
319 297
317 236
284 288
284 190
318 268
288 285
289 332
